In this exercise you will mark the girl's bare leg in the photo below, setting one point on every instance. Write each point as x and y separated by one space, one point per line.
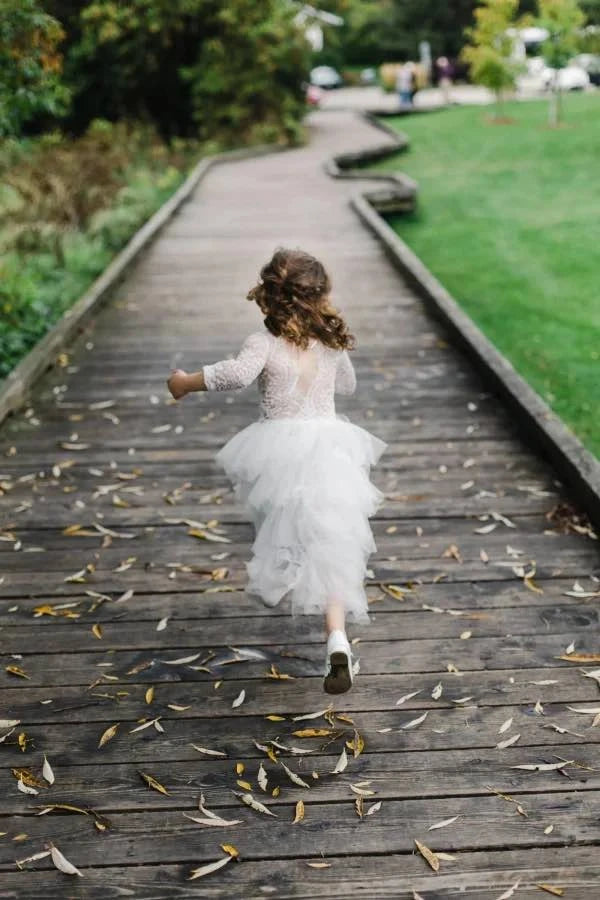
335 618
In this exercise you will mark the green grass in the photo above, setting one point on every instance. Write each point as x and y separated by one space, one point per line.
509 221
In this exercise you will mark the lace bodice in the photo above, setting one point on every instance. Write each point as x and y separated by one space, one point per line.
292 382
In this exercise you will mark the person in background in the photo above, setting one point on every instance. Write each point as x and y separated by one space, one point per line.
406 84
445 74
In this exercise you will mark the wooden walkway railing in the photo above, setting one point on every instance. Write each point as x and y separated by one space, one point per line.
123 619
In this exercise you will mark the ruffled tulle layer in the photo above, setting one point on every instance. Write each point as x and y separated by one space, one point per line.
305 484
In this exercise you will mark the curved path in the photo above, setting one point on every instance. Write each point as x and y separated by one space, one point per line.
101 479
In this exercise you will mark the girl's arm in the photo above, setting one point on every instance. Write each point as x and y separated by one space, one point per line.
229 374
345 376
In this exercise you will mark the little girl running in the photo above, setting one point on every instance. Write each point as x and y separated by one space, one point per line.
301 470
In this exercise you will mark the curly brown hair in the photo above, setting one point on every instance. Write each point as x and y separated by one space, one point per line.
293 294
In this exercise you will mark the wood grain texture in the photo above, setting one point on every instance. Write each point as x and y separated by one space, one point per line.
476 645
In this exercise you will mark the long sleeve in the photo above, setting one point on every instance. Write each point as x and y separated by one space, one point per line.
233 374
345 377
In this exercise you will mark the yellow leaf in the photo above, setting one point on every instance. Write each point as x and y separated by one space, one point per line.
529 583
153 783
239 768
108 735
150 694
551 889
244 784
299 812
357 744
97 631
429 855
229 848
17 670
274 718
581 657
23 741
72 529
276 791
275 673
319 865
27 777
312 732
394 591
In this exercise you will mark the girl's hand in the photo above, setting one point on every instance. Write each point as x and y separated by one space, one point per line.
177 383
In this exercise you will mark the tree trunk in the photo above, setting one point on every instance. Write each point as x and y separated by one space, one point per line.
554 110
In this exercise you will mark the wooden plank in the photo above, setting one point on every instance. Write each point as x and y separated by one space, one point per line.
482 875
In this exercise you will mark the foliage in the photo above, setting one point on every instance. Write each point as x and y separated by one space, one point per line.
508 220
66 207
562 19
30 65
490 51
226 71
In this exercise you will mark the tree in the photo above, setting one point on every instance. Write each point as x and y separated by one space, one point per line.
563 20
30 65
490 51
197 68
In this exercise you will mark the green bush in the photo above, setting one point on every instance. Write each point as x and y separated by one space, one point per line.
30 65
229 72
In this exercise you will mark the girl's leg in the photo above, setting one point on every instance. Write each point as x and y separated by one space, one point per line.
335 618
338 663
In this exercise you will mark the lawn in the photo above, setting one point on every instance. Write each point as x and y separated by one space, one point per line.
509 221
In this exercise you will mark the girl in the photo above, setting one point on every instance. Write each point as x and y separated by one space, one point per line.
301 470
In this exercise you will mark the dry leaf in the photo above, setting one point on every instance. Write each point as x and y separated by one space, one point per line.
208 752
508 742
213 821
319 865
62 863
153 783
162 624
108 735
25 788
17 670
239 699
315 715
414 722
505 726
262 777
437 691
299 816
545 767
374 807
312 732
551 889
229 848
341 763
510 892
406 697
211 867
442 824
250 801
244 784
149 695
581 657
47 772
429 855
293 777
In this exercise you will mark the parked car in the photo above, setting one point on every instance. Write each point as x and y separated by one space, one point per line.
326 77
540 77
591 63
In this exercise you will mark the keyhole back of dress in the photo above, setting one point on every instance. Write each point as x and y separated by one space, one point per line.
306 366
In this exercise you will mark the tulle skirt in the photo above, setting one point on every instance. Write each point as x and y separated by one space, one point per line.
305 484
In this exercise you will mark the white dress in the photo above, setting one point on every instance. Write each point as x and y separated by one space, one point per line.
302 471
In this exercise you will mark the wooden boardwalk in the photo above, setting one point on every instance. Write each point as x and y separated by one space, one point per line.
101 479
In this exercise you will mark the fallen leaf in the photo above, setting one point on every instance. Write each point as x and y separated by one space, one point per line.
108 735
406 697
208 752
17 670
62 863
581 657
341 763
373 808
510 892
239 699
250 801
315 715
508 742
47 772
153 783
551 889
299 816
414 722
505 726
211 867
293 777
545 767
162 624
149 695
429 855
442 824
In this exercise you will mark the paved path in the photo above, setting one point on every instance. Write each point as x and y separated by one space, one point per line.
103 479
